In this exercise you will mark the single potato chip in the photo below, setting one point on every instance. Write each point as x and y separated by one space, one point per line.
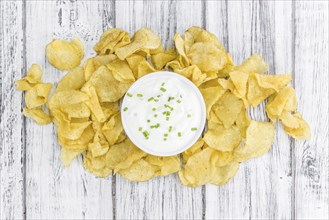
144 38
111 40
74 79
65 55
164 166
133 61
121 71
66 98
79 144
194 74
277 105
92 64
259 139
210 96
224 174
38 95
223 139
159 60
32 78
93 102
139 171
303 132
254 64
67 156
97 165
38 115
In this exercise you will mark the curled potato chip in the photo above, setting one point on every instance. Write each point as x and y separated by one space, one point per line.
32 78
285 97
65 98
223 174
222 158
302 132
79 144
243 122
139 171
99 146
254 64
194 74
111 40
38 95
97 165
159 60
210 96
93 102
163 166
229 67
65 55
110 108
74 79
92 64
182 59
240 81
144 38
121 71
107 87
196 147
228 108
223 139
67 156
207 57
259 139
133 61
112 129
79 110
199 169
38 115
275 82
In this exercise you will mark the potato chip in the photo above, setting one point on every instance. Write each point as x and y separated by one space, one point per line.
227 84
303 131
93 102
259 139
38 115
180 48
79 110
243 121
224 174
276 106
99 146
210 96
122 155
228 108
222 158
275 82
113 128
163 166
199 169
32 78
229 67
254 64
196 147
38 95
194 74
207 57
72 131
111 40
107 87
97 165
133 61
289 120
240 81
121 71
92 64
139 171
74 79
196 34
65 55
223 139
65 98
79 144
109 108
159 60
67 156
144 38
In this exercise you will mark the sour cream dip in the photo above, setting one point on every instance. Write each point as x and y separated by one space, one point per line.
163 113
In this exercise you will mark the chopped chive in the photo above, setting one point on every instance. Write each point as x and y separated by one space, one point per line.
140 128
158 96
156 100
193 129
166 135
125 109
178 101
148 121
164 139
146 134
150 99
170 129
139 95
189 115
181 96
171 98
167 118
162 84
153 109
163 89
179 134
168 113
130 95
168 106
155 115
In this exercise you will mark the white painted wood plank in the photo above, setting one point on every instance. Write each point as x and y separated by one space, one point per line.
265 28
55 192
311 83
163 197
12 136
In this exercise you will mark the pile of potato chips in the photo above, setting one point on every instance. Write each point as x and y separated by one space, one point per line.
85 105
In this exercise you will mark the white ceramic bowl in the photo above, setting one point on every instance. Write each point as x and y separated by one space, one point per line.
179 148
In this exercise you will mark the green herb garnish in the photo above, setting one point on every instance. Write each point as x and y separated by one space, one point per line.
150 99
162 84
125 109
164 139
193 129
130 95
168 106
166 135
167 118
148 121
140 128
139 95
153 109
170 129
155 115
178 101
171 98
163 89
189 115
179 134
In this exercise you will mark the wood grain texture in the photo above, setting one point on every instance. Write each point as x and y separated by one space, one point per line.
311 82
12 147
55 192
162 197
289 182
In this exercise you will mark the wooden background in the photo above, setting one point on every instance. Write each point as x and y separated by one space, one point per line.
291 181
